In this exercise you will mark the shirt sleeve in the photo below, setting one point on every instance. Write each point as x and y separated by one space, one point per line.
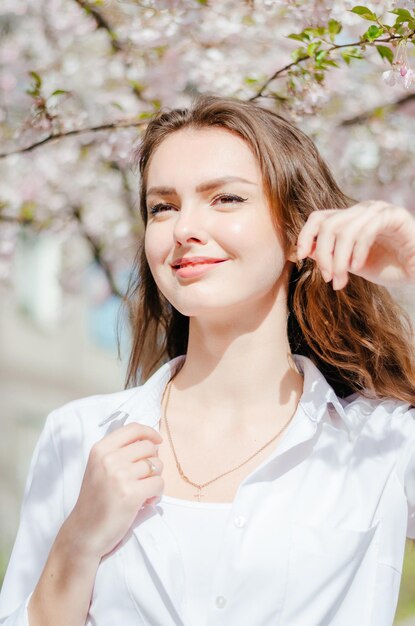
406 466
41 516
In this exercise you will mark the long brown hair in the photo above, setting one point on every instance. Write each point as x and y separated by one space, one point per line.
359 337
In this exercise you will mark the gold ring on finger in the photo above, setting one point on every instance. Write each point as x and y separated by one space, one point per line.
151 465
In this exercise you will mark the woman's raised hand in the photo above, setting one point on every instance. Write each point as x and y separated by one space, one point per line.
116 483
373 239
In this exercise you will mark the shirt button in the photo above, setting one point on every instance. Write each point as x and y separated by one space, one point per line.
220 602
239 521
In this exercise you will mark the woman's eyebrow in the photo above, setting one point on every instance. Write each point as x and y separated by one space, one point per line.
206 186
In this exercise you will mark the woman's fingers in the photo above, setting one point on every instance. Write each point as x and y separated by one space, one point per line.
335 237
350 239
130 454
373 239
324 247
125 435
310 231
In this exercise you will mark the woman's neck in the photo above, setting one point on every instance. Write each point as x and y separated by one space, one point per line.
235 376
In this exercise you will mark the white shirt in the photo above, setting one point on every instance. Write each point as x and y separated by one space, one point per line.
199 528
315 536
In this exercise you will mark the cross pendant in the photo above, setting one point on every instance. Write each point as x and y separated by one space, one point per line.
198 495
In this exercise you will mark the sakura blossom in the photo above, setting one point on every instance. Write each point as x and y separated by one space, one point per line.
77 86
401 72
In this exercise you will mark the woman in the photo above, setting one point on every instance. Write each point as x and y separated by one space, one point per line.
264 473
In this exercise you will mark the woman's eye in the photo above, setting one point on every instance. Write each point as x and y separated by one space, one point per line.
159 207
223 199
230 199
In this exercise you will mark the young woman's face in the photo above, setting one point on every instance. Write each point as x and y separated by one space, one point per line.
205 198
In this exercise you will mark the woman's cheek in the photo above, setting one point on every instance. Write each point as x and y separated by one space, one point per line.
153 250
236 227
235 236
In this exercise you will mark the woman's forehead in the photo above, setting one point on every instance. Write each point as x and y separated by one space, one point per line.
202 154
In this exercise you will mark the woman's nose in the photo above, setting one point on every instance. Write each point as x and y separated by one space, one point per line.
189 224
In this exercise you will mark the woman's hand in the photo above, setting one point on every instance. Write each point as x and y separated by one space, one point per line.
372 239
116 484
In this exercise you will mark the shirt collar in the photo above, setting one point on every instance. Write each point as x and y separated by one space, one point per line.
317 393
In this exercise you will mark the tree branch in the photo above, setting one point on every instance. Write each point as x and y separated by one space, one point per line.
131 124
116 44
127 193
333 47
102 22
97 253
77 131
14 219
95 247
366 115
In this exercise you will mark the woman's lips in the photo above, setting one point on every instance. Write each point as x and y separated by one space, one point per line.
196 269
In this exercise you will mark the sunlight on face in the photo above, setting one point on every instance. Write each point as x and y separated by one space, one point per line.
193 213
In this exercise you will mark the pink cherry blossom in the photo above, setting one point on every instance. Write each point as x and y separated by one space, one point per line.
160 53
401 72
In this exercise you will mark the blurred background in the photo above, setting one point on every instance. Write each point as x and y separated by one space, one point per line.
78 81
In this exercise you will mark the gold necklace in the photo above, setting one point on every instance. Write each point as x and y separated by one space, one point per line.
198 495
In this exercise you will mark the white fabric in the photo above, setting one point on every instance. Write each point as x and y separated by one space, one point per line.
199 528
315 536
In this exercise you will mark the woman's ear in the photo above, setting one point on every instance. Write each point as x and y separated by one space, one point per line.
292 254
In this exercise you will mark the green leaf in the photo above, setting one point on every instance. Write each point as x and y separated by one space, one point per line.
250 81
401 29
330 62
59 92
385 53
117 105
321 55
27 210
364 12
36 78
351 53
313 47
248 20
160 50
322 60
202 2
156 103
298 54
403 15
300 37
278 96
145 115
335 28
137 86
373 32
315 32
